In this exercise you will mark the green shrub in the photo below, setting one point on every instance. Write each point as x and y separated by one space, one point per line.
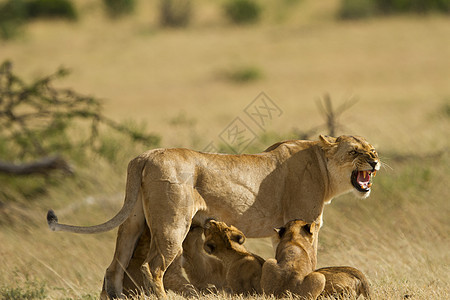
175 13
242 11
51 9
38 120
446 109
60 113
356 9
30 290
416 6
12 15
244 74
119 8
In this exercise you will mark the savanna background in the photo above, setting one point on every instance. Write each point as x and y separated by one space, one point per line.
96 87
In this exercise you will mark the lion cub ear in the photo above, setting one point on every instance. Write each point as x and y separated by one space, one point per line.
209 247
280 231
327 141
208 223
310 228
238 238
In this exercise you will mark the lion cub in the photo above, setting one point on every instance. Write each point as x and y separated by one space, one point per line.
205 272
342 281
293 267
243 269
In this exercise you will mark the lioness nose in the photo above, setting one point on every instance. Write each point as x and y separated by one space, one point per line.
373 164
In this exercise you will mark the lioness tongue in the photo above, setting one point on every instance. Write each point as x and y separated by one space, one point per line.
363 176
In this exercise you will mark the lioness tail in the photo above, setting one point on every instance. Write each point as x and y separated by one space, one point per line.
134 178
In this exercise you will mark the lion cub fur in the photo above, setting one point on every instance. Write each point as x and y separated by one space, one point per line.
242 268
344 281
205 272
292 270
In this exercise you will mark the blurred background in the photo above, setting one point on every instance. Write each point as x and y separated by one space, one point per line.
87 85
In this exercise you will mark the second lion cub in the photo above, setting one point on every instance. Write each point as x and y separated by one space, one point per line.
243 269
345 281
293 267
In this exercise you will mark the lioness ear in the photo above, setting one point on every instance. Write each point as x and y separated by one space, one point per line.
280 231
327 141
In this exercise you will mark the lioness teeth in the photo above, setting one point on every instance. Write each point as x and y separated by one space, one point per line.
374 173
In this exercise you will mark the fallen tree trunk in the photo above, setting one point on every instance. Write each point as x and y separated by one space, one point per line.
43 166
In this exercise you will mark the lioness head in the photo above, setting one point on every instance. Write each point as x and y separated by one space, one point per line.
352 162
219 236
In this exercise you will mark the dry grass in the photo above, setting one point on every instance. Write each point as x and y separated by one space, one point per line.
173 80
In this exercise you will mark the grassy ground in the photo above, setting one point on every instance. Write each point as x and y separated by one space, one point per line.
178 83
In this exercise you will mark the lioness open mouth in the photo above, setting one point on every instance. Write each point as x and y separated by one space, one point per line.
362 180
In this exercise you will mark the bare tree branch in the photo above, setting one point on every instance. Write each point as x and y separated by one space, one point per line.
42 166
330 114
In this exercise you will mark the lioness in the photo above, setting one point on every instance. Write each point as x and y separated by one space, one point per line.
243 269
344 281
293 267
170 188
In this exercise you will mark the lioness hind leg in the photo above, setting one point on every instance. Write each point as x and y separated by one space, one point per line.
164 249
127 236
169 225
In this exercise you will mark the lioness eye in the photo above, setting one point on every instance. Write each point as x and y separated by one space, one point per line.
353 152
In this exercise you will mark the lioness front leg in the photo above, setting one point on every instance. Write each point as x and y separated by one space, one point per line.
127 236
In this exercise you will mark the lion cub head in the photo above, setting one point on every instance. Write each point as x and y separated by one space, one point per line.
243 269
352 163
297 234
220 237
